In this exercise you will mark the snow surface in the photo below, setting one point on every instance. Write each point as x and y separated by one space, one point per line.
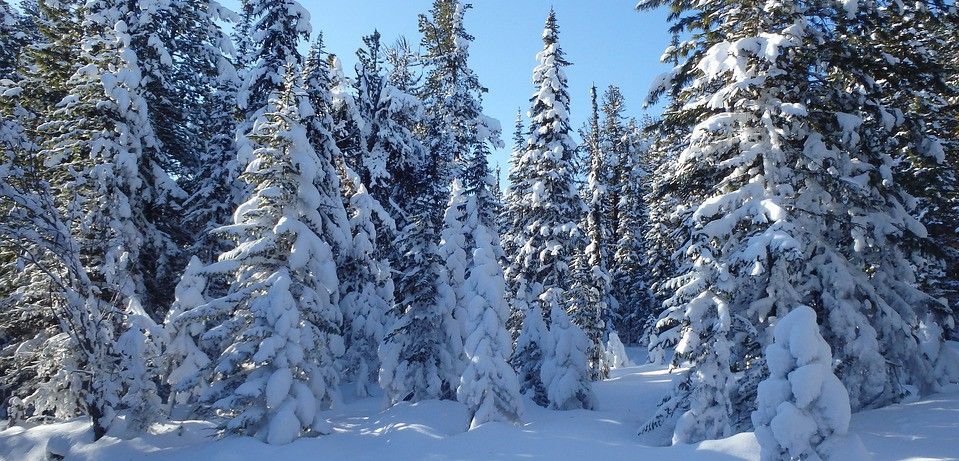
436 430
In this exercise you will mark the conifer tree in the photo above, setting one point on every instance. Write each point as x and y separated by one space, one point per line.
420 355
544 210
489 385
278 327
803 408
800 207
35 228
12 39
453 250
629 272
186 362
367 290
455 124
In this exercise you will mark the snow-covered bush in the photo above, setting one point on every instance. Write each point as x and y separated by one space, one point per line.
803 409
616 352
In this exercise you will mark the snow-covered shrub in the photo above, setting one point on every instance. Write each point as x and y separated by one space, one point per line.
616 352
803 409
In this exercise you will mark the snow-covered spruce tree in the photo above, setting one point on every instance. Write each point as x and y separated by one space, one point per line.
544 210
613 146
488 385
628 270
99 149
921 37
29 330
389 114
513 176
586 306
566 373
12 39
800 207
455 125
87 318
453 250
592 303
367 291
206 84
802 407
52 58
419 357
278 26
278 327
319 131
402 77
186 363
348 124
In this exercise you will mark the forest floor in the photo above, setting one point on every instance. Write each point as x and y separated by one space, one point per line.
927 429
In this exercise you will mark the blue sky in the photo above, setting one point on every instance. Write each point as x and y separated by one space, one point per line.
607 41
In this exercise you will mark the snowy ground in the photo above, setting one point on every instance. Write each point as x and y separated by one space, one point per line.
436 430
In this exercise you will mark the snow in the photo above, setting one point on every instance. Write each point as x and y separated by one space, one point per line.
435 430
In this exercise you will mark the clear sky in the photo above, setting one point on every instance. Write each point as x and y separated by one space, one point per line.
608 42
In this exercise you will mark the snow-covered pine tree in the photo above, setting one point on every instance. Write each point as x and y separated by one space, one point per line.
206 84
279 26
95 138
921 40
367 291
454 250
586 307
348 124
799 207
455 124
544 209
403 62
592 303
35 228
389 113
489 385
566 372
278 327
101 153
52 58
185 362
513 176
802 407
628 266
319 131
419 357
611 139
12 39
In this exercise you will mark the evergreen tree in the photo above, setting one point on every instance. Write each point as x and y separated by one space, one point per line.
205 85
186 362
803 409
455 126
12 39
628 267
565 373
785 205
367 289
453 250
544 210
591 309
278 27
278 327
420 355
489 385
